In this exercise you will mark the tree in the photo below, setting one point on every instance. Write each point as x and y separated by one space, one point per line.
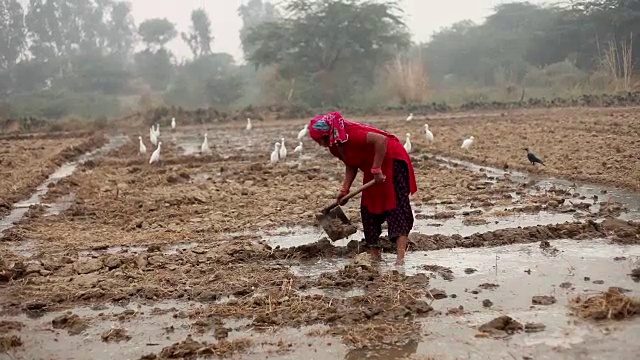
199 38
254 13
207 80
121 29
156 33
12 33
336 45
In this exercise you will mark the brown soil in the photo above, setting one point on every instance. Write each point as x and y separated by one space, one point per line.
27 163
115 335
501 326
594 145
8 326
578 231
192 349
635 274
9 342
70 322
121 239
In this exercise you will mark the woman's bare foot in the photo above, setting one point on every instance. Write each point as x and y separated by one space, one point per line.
375 254
402 242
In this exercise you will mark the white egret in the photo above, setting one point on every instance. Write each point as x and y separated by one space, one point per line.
275 155
283 149
249 126
153 137
467 143
143 149
410 117
407 143
428 133
303 132
155 156
298 148
204 149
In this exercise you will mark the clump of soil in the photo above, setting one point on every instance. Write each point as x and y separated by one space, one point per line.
73 323
370 336
191 349
534 327
9 342
445 272
546 247
635 274
487 303
501 326
543 300
204 325
115 335
488 286
608 305
436 294
8 326
566 285
11 271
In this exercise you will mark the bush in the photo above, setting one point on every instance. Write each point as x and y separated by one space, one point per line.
57 105
562 75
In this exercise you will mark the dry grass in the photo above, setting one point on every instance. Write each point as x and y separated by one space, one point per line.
408 80
609 305
618 62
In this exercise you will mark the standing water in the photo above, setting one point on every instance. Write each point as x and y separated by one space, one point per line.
21 208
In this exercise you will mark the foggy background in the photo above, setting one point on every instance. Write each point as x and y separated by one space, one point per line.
423 17
107 58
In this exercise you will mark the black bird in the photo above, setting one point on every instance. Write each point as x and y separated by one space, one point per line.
533 158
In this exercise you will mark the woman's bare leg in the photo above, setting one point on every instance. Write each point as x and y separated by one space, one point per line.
401 247
375 253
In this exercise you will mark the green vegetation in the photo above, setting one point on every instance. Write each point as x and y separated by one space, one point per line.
78 58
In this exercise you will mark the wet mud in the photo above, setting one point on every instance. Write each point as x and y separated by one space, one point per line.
221 255
27 163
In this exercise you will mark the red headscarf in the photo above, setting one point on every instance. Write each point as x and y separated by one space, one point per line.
332 125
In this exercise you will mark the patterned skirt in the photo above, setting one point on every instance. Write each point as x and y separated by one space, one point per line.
399 220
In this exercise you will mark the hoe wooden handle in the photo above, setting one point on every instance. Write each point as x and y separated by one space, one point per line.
349 196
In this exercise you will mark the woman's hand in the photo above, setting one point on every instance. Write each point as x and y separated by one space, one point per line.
342 193
379 177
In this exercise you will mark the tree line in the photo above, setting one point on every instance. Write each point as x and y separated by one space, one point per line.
89 58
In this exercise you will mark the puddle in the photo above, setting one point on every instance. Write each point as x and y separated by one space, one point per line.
628 199
63 203
154 327
453 335
443 335
21 208
296 236
287 237
574 263
457 226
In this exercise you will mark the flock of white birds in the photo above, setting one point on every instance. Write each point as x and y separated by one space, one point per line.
154 137
466 143
280 151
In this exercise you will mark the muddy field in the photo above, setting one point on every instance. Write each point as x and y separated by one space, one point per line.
218 255
27 162
591 145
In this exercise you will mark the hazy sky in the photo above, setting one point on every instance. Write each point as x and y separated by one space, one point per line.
422 16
